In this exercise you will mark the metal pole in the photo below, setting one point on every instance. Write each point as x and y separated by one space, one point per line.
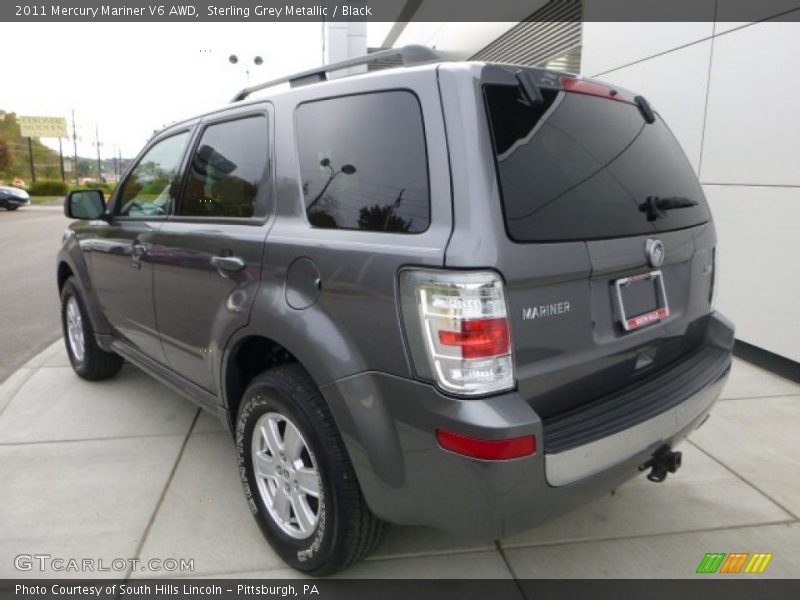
97 141
61 158
30 154
75 147
322 193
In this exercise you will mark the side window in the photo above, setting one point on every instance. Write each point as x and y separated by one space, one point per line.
228 171
153 184
363 162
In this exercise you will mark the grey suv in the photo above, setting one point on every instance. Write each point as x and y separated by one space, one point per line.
462 295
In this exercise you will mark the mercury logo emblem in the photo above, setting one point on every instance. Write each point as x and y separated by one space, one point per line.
654 250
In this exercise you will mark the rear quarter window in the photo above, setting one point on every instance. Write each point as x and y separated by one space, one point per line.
363 162
581 167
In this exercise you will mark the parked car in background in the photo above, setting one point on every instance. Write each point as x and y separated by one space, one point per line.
462 295
11 198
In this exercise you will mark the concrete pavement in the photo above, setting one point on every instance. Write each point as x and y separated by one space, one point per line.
29 311
125 468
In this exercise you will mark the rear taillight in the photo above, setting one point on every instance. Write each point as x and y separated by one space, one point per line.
479 338
457 329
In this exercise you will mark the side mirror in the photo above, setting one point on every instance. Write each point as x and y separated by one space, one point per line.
85 204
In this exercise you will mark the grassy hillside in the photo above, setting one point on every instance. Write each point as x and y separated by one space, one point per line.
14 161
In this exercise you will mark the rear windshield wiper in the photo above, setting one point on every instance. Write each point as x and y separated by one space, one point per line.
656 207
529 87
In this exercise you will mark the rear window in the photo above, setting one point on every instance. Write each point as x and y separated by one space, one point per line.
363 162
581 167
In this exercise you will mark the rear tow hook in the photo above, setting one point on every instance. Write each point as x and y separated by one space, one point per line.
664 461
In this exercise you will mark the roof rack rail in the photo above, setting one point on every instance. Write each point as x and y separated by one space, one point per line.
410 55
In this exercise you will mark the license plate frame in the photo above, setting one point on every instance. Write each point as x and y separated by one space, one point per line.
659 313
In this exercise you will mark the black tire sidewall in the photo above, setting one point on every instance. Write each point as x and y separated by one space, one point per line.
312 553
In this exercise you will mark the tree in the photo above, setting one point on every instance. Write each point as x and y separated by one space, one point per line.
6 160
381 218
17 147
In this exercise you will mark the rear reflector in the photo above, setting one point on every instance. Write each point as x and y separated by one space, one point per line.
486 449
581 86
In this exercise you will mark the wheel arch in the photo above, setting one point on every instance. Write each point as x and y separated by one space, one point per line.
63 273
247 356
70 263
253 345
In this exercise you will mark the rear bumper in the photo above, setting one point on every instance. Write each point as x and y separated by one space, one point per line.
569 466
388 424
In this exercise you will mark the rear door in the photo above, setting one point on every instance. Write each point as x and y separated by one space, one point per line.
207 255
610 241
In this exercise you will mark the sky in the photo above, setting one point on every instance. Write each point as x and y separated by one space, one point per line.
129 80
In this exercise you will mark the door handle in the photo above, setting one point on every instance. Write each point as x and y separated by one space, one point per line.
138 252
227 264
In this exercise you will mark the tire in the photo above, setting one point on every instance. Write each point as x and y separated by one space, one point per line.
345 530
12 207
93 363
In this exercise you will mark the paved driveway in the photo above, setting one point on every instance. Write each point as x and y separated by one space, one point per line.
29 320
125 468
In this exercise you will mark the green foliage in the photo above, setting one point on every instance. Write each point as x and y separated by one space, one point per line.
45 187
45 159
53 187
6 159
106 187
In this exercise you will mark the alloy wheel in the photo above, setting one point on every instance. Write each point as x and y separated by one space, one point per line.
287 475
75 329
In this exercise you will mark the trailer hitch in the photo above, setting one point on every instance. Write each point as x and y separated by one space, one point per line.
663 462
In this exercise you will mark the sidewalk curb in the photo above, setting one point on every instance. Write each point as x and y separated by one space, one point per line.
12 385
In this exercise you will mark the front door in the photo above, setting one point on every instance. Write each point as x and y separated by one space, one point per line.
121 257
208 253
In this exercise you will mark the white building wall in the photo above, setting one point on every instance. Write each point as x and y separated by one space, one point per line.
460 40
456 41
729 92
343 40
